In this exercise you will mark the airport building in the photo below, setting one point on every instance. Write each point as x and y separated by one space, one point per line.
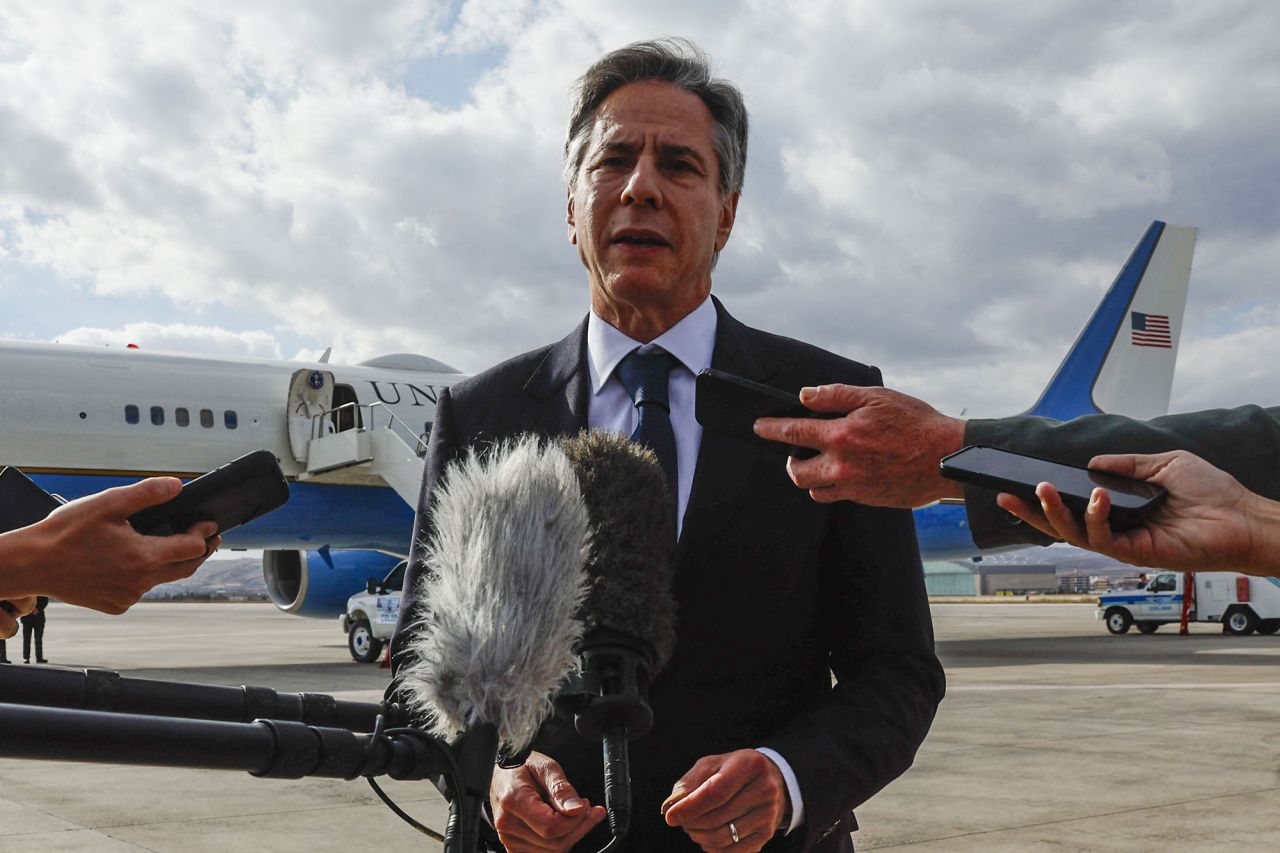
955 577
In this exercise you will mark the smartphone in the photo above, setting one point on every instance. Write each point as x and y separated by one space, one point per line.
1019 474
730 404
22 502
230 496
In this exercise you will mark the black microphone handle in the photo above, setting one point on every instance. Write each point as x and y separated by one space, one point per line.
617 780
475 751
614 674
104 690
277 749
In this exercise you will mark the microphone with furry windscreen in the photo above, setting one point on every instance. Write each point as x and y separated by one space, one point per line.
629 613
501 598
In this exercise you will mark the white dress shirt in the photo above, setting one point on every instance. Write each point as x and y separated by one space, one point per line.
610 407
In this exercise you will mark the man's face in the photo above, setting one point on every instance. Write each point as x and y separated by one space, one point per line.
647 214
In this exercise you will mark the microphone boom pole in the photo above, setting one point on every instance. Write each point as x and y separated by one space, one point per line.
104 690
271 749
276 749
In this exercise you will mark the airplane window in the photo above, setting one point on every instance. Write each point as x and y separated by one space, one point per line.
157 415
229 418
181 417
131 414
206 418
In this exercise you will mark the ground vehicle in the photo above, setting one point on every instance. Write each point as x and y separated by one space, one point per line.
371 615
1241 603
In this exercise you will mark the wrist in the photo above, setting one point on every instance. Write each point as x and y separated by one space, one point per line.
950 439
17 577
1264 539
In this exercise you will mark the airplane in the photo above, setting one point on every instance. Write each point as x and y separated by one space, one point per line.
1121 363
350 438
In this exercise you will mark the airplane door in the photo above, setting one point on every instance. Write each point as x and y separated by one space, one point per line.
310 394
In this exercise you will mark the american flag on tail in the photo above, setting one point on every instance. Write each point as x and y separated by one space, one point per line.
1150 330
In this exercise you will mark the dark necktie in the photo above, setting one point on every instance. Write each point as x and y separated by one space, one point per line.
645 376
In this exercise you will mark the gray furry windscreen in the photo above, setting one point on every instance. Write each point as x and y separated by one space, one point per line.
504 585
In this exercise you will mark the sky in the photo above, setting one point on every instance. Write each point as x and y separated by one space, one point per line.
943 189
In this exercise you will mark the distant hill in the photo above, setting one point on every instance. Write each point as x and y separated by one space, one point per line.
1065 559
234 578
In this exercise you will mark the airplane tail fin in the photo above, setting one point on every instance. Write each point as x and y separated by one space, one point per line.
1123 360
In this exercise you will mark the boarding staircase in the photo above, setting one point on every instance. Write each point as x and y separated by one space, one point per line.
365 445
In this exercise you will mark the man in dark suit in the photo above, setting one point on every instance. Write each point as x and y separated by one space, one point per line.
753 744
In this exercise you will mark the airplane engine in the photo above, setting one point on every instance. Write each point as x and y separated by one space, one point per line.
318 583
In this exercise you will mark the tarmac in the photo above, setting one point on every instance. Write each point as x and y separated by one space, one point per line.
1054 736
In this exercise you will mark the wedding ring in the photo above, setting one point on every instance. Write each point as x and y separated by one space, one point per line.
733 830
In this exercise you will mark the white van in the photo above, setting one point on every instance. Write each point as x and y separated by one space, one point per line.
372 615
1243 604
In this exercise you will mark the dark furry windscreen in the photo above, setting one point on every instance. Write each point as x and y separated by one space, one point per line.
633 539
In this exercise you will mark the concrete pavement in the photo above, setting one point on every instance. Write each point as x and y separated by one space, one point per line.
1054 736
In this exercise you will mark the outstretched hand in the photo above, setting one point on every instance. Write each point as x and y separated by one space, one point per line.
884 451
1208 520
86 552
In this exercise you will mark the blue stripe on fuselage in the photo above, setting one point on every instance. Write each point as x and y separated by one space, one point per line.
316 514
943 531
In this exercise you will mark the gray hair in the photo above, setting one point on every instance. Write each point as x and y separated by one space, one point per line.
681 63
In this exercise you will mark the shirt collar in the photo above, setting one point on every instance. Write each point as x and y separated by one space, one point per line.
691 341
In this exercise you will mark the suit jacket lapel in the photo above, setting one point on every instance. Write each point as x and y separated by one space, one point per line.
724 464
558 390
558 387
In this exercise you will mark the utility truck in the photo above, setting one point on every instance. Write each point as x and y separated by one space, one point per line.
1243 604
371 615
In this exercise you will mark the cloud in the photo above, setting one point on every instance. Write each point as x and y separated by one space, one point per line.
178 337
38 169
943 189
1234 367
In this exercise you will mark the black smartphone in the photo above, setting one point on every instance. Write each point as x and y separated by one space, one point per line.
730 404
1019 474
22 502
232 495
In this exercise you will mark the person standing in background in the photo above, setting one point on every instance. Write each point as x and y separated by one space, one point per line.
33 623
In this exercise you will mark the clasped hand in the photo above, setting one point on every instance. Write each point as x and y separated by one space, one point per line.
536 808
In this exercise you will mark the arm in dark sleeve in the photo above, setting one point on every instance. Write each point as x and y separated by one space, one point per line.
1244 442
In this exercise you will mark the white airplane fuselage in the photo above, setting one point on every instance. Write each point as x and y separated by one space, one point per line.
79 419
